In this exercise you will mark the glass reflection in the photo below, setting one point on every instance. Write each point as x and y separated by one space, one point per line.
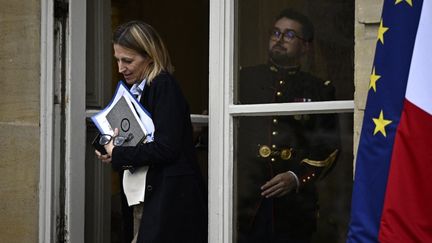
293 51
291 55
279 163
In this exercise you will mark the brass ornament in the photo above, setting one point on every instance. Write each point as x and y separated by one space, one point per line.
285 154
264 151
273 69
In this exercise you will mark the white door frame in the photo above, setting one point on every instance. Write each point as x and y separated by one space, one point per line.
220 69
74 127
46 182
75 121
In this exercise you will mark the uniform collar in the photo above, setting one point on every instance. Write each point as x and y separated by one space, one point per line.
284 70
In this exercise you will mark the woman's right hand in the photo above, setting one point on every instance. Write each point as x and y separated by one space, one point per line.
105 158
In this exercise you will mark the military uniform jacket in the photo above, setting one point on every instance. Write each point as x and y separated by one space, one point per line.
304 144
175 201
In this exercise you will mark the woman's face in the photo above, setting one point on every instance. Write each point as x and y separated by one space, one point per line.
130 63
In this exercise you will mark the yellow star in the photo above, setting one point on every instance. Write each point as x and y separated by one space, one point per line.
381 32
408 1
373 79
380 124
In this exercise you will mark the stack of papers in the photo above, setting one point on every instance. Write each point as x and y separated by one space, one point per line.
129 116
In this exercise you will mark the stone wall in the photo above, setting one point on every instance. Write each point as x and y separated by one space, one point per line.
19 119
368 15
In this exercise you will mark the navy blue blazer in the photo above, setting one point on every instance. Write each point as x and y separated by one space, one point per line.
175 205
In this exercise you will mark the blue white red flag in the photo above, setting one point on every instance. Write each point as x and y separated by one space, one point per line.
392 194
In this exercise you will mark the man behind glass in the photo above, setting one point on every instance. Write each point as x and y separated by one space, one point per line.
280 158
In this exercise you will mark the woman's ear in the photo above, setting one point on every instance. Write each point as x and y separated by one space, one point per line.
148 60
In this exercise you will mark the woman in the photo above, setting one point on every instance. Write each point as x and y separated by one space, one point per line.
174 207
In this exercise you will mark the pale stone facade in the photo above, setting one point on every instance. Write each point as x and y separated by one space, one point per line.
19 119
368 14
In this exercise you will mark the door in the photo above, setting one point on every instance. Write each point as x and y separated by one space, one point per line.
184 28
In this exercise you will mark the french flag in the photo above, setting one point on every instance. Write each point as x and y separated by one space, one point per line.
392 193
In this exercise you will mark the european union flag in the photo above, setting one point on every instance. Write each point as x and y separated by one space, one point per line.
394 156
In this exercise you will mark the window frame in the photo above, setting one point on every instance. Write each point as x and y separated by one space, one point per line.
223 111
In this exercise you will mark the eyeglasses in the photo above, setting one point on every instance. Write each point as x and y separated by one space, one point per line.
287 35
117 140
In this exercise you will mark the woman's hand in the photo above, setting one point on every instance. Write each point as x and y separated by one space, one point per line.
106 158
110 146
279 185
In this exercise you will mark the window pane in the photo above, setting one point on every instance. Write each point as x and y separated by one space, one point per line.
185 34
286 57
315 149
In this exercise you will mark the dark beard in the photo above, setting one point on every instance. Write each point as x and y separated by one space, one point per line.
280 58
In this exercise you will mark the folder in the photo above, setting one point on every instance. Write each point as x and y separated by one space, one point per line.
129 116
124 117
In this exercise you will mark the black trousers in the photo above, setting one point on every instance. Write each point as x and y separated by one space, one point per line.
263 231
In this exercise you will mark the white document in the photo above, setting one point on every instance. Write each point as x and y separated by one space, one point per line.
134 184
102 123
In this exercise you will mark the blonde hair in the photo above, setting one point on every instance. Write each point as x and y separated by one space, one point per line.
143 38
